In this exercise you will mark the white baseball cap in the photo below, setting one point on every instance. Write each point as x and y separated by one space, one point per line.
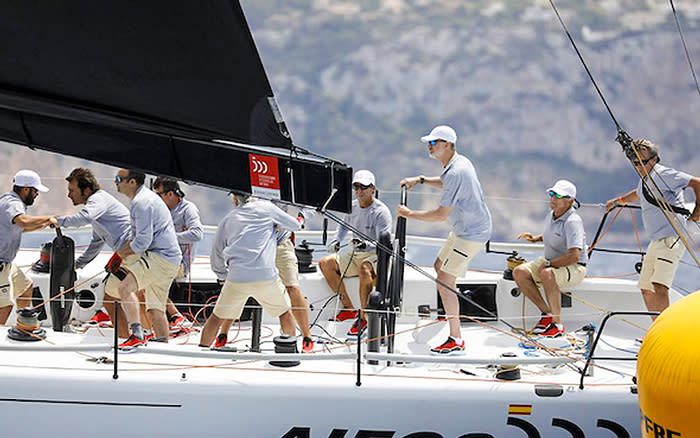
29 178
442 132
364 177
564 187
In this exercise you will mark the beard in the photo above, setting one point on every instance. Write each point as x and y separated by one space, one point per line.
28 200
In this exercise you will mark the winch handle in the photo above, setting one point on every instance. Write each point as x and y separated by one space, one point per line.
404 194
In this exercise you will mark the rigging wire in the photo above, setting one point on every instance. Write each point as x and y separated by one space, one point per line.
685 46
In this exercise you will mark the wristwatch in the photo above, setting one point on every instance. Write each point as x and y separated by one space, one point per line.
547 263
422 179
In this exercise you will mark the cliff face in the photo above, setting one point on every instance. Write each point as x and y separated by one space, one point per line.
362 81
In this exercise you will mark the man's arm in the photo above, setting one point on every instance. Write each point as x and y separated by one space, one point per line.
435 215
625 199
31 223
530 237
216 259
143 231
90 252
411 181
572 256
695 185
194 232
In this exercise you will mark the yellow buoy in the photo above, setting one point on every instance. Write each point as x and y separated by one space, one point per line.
668 372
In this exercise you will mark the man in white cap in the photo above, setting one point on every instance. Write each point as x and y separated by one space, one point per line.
564 263
14 221
371 217
665 249
462 205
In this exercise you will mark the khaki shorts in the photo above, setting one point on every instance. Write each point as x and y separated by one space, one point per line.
660 263
271 295
286 262
352 262
153 273
565 276
457 253
13 283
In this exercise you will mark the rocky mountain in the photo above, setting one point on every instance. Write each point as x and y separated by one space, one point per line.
361 81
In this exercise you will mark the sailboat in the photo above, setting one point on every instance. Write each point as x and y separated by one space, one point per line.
178 89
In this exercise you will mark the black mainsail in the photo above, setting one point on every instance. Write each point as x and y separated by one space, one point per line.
150 86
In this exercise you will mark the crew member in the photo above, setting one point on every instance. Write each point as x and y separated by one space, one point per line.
462 205
14 220
108 218
151 259
243 258
564 263
372 217
665 249
189 231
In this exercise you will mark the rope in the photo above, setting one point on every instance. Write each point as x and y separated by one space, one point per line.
685 47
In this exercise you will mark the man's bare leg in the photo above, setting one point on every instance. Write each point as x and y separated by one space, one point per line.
551 289
287 323
331 271
160 324
209 330
5 313
529 288
656 300
449 299
109 304
300 309
366 275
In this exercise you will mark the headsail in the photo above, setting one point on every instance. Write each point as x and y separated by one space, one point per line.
149 86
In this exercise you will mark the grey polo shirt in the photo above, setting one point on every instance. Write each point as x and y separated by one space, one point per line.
10 233
564 233
152 226
371 221
245 243
671 182
470 218
188 229
109 219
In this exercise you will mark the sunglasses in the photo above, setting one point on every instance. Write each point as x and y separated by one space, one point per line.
118 179
434 142
557 195
358 186
639 163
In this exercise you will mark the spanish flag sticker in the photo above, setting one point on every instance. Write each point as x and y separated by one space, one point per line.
519 409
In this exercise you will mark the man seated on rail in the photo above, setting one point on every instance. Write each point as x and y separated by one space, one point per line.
108 218
371 217
151 260
665 248
564 262
189 231
14 220
243 258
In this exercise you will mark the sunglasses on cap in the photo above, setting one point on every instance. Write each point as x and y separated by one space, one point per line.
557 195
358 186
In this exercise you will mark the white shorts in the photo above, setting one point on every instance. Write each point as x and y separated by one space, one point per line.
660 263
153 273
13 283
565 276
271 295
457 253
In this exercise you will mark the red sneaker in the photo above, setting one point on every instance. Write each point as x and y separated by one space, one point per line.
221 341
345 314
552 331
307 345
542 325
450 346
132 343
100 319
179 322
353 329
